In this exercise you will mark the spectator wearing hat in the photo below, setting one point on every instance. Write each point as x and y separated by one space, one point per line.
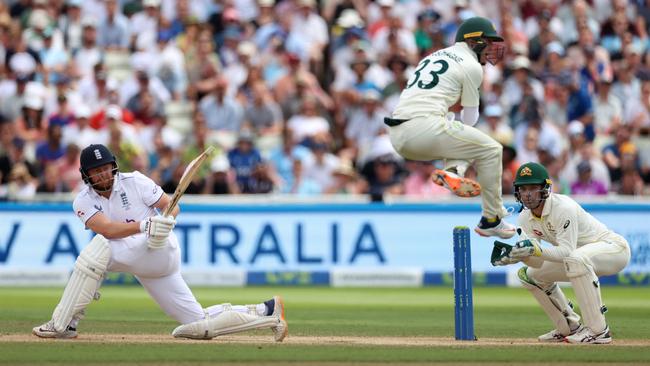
547 135
80 132
114 29
365 122
379 15
244 158
495 126
581 150
31 126
608 109
222 179
426 30
143 26
521 82
383 175
21 185
586 185
71 26
307 21
345 179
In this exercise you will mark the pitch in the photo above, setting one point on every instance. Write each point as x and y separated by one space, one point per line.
327 326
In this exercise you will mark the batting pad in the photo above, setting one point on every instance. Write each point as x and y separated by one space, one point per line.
227 322
83 283
554 304
587 289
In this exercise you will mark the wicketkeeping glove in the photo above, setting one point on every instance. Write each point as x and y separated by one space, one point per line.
157 226
526 248
500 254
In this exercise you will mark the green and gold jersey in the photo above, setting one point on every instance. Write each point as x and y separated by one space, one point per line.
439 81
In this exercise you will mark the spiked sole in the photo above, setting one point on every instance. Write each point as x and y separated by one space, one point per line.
461 187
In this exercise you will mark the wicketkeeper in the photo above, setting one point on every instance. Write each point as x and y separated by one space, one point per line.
583 249
421 130
132 237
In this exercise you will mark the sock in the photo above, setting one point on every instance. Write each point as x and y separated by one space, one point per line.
488 223
269 304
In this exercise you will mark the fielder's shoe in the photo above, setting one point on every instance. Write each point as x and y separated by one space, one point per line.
460 186
555 336
585 335
495 227
281 330
47 331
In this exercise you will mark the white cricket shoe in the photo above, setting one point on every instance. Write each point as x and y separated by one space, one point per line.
585 335
47 331
281 330
555 336
503 229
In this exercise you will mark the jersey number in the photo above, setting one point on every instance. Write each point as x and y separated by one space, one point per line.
434 74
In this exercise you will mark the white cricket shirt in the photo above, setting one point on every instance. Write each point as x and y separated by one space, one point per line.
131 200
565 224
439 81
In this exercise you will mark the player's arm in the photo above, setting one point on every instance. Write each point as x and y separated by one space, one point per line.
566 238
163 202
102 225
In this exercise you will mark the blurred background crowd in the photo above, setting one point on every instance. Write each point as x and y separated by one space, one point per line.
293 92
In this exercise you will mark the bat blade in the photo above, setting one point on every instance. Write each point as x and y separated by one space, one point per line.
188 176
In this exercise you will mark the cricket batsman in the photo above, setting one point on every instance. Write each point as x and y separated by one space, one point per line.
583 249
133 237
420 130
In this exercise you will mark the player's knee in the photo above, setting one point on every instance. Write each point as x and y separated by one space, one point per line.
576 265
93 259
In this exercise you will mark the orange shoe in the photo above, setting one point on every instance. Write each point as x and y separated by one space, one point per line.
460 186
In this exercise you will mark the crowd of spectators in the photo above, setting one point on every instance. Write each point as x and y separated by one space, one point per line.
293 92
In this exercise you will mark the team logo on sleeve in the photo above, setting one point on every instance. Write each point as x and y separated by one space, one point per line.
538 233
98 207
80 213
550 227
566 224
155 189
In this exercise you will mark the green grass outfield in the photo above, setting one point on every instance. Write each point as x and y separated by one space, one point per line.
328 326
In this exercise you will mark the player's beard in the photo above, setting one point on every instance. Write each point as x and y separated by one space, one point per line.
103 185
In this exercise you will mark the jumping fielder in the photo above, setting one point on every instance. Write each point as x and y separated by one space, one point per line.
420 129
583 249
133 238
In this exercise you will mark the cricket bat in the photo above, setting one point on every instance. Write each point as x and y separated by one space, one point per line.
188 176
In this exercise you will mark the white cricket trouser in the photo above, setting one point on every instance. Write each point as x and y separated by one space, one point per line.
158 270
434 137
606 257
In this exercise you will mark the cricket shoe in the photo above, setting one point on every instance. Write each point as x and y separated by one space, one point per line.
495 227
281 330
555 336
460 186
47 331
586 336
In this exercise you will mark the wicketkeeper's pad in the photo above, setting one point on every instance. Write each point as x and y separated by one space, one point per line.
587 289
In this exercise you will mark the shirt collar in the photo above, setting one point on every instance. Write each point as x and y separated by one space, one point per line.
466 49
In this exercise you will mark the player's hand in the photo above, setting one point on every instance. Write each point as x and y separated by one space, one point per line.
157 243
526 248
157 226
501 254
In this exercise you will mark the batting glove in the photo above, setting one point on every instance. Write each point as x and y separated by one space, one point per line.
157 226
157 243
526 248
